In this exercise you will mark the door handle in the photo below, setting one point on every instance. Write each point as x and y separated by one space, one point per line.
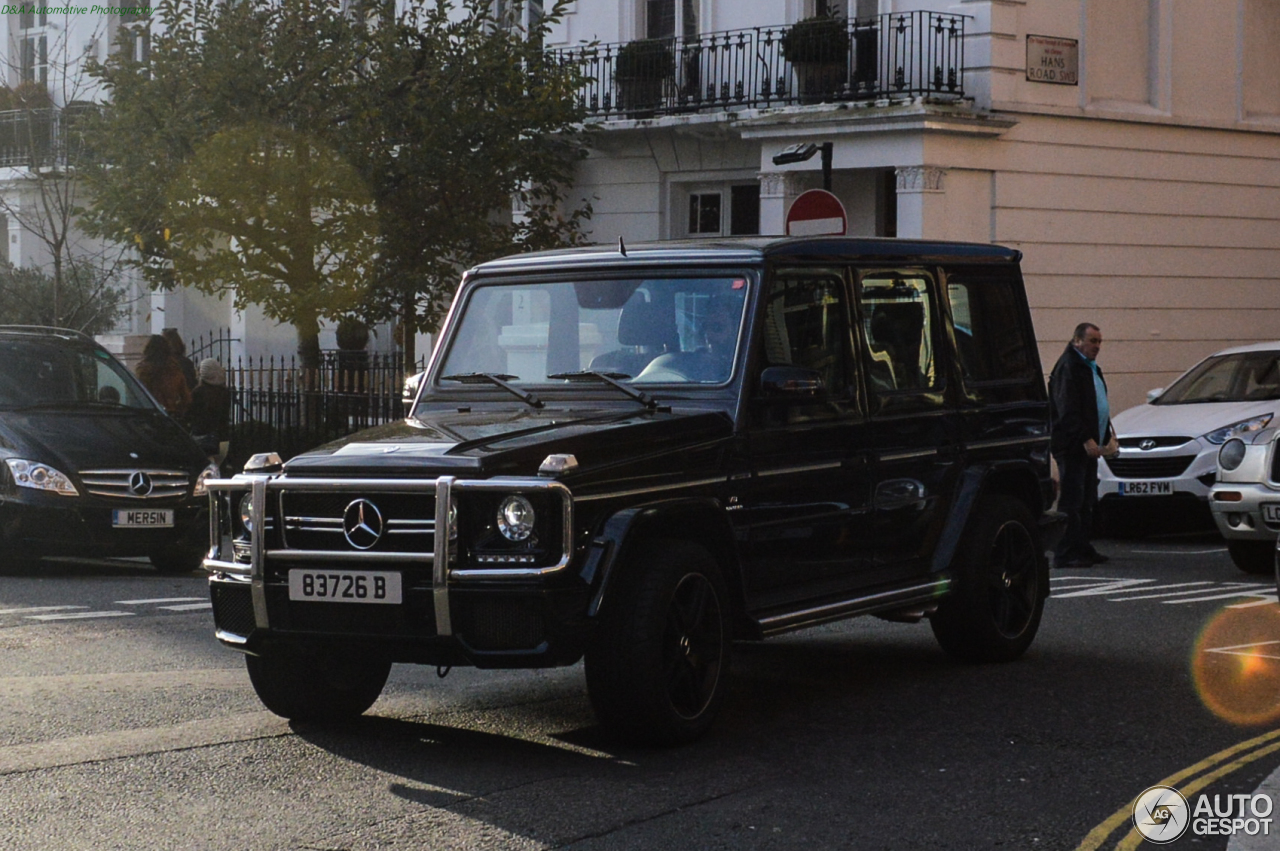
899 493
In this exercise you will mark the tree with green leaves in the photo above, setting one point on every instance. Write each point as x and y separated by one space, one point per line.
323 159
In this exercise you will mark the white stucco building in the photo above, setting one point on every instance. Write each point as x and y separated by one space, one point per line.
1144 188
1130 148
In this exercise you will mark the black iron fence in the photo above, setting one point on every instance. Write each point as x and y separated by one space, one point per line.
277 405
887 57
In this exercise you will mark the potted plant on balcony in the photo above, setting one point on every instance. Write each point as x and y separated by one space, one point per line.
642 70
818 49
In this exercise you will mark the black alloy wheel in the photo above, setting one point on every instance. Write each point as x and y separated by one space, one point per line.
657 667
1001 581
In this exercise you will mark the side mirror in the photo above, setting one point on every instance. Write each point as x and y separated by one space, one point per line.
409 392
1155 394
792 384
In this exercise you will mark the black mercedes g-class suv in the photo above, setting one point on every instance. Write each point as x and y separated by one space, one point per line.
639 455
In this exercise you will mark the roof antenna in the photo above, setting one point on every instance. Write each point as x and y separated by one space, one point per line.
622 247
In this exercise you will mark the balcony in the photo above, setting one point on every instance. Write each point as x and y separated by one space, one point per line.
41 138
894 57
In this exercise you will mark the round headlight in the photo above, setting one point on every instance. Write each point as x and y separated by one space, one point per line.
515 518
246 512
1231 454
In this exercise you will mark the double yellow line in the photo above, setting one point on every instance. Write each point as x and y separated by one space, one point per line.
1216 767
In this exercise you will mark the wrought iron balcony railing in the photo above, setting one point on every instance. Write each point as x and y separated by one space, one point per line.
40 138
887 57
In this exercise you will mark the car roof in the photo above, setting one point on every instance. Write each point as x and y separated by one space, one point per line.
47 332
1273 346
754 250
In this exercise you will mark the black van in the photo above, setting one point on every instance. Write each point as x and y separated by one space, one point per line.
639 455
92 466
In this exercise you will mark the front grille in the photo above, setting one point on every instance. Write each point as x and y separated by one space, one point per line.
1150 468
313 521
232 608
1275 464
1162 442
117 483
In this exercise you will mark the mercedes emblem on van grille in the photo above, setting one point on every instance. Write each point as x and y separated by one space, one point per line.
140 484
362 524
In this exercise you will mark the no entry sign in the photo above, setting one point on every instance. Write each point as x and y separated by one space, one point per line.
817 213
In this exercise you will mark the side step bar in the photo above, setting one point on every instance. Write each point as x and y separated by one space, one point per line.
813 615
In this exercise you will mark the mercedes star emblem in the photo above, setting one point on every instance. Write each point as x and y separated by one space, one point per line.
140 484
362 524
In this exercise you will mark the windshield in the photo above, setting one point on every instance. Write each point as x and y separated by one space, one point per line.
34 373
1243 377
638 331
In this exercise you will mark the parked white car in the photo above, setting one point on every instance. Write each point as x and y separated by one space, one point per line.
1169 446
1246 500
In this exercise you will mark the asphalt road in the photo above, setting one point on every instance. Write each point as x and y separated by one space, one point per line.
124 725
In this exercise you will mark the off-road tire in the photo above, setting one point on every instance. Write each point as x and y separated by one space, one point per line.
1000 576
316 686
658 666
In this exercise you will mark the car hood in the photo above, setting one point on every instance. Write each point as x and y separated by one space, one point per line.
516 442
1191 420
94 439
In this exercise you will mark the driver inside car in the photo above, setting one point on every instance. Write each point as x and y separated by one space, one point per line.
711 361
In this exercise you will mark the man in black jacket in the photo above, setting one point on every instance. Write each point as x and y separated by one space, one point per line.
1082 433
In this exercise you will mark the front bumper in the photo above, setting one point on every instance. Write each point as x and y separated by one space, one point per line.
455 609
1246 511
1138 476
40 524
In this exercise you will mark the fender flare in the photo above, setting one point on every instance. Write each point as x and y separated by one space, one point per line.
1015 477
698 520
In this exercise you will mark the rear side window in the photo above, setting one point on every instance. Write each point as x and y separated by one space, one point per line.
898 318
992 337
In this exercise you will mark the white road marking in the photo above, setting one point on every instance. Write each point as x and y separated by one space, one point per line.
1108 587
189 607
30 609
157 600
1238 649
80 615
1179 552
1268 599
1199 590
1258 593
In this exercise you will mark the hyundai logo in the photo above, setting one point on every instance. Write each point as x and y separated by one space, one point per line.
1146 444
140 484
362 524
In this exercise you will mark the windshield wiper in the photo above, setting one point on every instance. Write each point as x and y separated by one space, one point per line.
498 379
610 378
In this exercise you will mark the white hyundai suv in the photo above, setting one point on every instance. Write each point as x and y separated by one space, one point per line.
1169 446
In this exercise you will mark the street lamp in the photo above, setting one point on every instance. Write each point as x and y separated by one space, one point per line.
802 151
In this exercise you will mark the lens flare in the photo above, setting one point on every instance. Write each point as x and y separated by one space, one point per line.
1236 665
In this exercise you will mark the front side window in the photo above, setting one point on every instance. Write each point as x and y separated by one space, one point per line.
1243 377
642 331
898 319
806 326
